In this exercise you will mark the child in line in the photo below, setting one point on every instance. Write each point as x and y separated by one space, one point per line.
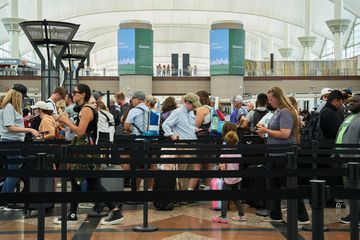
231 139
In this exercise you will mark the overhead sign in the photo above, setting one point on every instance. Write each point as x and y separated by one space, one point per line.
135 51
227 52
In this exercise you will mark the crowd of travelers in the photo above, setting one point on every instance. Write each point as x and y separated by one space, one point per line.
82 118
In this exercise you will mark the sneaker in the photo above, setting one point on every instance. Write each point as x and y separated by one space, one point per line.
219 220
13 207
239 218
115 217
71 218
303 222
269 219
262 212
346 220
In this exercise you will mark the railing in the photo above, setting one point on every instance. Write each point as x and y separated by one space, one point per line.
252 68
150 152
302 68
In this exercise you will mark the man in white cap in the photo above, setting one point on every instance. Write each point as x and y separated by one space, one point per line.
324 94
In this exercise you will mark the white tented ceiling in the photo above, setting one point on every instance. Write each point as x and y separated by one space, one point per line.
183 26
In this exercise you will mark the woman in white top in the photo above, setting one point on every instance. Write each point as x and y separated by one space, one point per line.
202 123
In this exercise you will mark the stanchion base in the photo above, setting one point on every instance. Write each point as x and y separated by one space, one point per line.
308 228
149 228
133 203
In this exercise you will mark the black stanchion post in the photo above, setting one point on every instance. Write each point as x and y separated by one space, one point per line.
64 154
317 206
314 147
291 182
353 177
108 98
145 227
41 211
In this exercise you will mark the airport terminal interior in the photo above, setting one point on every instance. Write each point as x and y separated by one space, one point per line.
198 75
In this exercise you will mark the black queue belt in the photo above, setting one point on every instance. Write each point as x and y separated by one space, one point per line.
150 151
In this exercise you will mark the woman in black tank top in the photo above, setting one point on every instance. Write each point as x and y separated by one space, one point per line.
85 129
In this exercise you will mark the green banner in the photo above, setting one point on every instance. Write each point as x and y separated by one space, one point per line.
236 51
144 51
135 51
227 52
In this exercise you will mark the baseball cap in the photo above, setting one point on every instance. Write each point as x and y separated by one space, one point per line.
193 98
41 105
139 94
238 98
348 91
325 91
20 88
97 94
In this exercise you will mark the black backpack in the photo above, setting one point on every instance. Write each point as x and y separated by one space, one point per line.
312 131
258 115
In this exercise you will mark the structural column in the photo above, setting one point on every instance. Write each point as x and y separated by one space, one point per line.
338 26
286 52
135 56
307 41
227 59
12 26
258 49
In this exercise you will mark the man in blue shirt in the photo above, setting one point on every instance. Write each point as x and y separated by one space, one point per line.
181 122
181 125
135 122
238 111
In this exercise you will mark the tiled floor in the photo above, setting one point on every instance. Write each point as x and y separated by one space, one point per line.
186 222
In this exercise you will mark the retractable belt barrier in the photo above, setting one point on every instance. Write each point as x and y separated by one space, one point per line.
150 151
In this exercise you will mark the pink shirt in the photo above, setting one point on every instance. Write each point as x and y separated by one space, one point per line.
231 166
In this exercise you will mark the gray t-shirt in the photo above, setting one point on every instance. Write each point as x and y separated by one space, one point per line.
282 119
9 117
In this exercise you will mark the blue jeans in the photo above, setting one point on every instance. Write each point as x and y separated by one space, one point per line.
10 182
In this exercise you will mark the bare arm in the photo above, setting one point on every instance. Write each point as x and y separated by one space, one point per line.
200 115
283 133
86 117
16 129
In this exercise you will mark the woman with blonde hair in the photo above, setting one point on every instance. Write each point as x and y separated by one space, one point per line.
12 126
287 129
283 128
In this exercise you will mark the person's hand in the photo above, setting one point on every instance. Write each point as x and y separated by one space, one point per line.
29 118
261 129
34 132
62 118
222 166
174 137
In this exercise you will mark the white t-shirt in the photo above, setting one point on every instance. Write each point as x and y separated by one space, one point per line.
52 105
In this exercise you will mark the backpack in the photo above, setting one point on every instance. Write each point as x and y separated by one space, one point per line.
258 115
105 127
116 112
151 123
217 121
312 131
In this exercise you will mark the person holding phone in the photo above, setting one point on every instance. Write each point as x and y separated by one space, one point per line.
47 125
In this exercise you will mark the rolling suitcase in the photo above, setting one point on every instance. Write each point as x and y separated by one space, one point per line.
216 184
